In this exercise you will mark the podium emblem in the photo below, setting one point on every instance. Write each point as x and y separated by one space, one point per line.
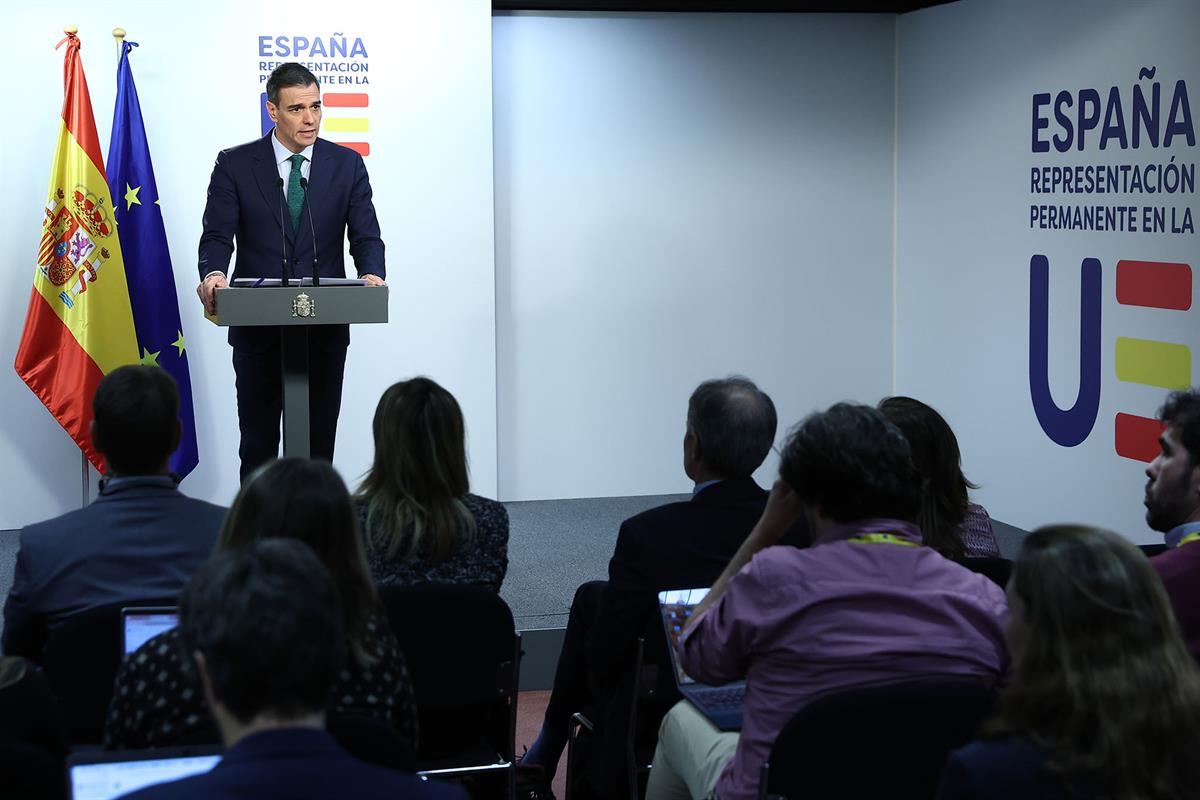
304 306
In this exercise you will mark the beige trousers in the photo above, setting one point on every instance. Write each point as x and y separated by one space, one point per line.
690 756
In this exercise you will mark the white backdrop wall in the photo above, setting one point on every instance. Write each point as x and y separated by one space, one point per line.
680 197
197 73
968 73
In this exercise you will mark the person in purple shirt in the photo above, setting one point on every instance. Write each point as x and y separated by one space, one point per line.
261 623
867 603
1173 507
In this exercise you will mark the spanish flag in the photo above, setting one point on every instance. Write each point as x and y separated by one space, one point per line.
79 325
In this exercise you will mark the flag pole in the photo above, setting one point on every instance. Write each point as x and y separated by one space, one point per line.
119 35
86 482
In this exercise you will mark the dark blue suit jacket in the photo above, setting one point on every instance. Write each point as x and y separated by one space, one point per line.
246 204
140 539
296 764
1008 767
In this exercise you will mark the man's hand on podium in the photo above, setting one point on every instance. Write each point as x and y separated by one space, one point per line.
373 280
207 290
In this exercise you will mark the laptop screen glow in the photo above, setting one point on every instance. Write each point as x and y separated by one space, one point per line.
678 605
111 780
140 628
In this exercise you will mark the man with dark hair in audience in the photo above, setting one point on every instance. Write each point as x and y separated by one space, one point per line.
1173 507
867 603
731 427
262 625
141 539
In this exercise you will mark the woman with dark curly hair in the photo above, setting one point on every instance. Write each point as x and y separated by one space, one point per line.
1105 700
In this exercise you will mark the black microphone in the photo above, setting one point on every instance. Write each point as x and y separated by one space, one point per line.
312 230
283 273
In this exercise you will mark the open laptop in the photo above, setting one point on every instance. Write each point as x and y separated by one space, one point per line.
106 775
722 705
139 625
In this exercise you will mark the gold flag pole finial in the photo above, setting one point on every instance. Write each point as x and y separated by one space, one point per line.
71 30
119 35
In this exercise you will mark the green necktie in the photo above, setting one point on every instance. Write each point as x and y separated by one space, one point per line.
295 195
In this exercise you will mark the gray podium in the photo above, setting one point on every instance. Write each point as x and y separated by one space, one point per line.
295 309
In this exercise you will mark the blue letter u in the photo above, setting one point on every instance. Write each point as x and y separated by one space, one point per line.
1072 426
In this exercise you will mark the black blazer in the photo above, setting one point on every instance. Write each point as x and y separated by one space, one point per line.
246 203
676 546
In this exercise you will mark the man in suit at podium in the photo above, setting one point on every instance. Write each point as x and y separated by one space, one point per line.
290 200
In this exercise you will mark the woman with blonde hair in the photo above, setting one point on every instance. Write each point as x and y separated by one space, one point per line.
1105 700
419 520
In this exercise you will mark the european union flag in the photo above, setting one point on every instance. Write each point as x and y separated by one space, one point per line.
147 260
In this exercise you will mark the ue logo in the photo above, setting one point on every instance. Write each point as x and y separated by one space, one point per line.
1151 284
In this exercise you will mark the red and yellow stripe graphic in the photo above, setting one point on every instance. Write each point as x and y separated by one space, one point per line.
79 325
348 124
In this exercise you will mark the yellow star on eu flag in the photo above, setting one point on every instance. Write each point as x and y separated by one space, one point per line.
149 359
131 196
179 343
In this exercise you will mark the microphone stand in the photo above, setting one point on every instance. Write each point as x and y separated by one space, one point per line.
316 277
283 270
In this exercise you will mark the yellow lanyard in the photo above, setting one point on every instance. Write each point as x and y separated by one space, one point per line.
1191 537
891 538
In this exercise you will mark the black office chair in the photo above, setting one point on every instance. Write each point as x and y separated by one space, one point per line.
884 740
372 739
635 711
463 654
81 659
998 570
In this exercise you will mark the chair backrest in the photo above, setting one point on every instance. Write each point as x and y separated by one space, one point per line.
372 739
81 659
997 570
902 732
463 655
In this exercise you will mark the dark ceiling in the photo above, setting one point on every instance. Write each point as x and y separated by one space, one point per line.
744 6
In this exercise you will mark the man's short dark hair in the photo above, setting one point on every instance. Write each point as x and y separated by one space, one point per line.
136 410
286 75
265 616
852 463
735 423
1181 412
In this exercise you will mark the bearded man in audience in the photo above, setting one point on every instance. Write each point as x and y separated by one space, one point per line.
140 539
867 603
731 427
1173 507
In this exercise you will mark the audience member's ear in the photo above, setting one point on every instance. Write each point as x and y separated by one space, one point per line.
205 680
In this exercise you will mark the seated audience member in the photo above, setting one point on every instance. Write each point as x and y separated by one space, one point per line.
157 699
419 520
867 603
1173 507
730 429
1104 700
950 523
260 623
141 539
33 742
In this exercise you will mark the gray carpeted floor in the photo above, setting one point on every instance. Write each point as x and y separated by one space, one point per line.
554 545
